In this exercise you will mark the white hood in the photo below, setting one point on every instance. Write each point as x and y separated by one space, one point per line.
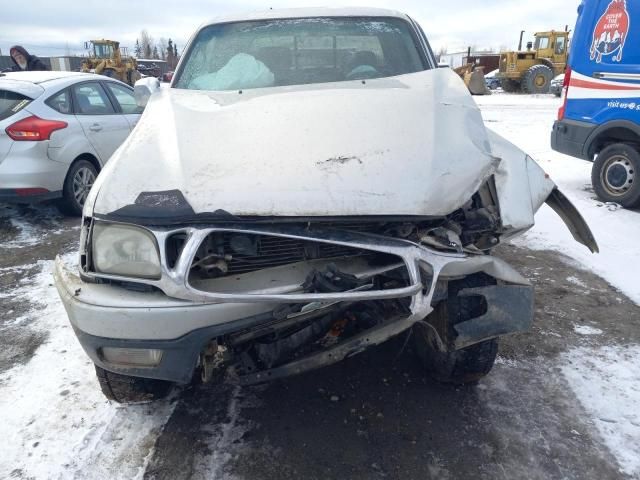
408 145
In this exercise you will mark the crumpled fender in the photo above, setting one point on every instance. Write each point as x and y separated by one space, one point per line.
523 186
572 219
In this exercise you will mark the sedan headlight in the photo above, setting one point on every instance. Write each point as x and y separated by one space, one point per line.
125 250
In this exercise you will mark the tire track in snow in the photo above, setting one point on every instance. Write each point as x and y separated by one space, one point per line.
205 435
606 381
56 423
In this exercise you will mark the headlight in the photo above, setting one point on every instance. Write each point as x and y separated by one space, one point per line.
125 250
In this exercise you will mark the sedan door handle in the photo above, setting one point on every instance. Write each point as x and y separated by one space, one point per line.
96 127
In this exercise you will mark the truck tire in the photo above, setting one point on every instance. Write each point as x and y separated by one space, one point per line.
127 389
614 175
537 79
458 367
509 86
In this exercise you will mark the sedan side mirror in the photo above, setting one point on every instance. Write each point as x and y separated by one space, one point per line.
144 88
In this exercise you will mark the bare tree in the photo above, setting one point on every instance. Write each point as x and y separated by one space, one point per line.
146 44
162 48
442 52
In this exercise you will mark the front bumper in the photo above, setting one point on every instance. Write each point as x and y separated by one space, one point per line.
104 315
570 137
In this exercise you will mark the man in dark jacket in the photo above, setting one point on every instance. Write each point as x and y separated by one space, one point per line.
24 61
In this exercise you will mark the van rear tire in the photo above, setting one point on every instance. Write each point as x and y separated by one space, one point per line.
615 175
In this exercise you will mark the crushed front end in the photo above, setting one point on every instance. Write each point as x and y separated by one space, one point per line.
264 299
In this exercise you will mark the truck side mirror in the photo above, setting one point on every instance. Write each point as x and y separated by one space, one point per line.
144 88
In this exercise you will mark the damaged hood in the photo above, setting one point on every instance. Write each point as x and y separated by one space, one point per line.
407 145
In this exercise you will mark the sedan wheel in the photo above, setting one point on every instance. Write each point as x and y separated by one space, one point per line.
77 185
82 183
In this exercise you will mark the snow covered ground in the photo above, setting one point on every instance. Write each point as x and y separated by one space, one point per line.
526 121
55 422
606 380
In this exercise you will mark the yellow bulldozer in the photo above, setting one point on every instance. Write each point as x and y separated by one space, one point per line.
531 70
105 58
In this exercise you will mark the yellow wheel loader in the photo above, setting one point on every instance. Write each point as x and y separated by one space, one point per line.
105 58
532 70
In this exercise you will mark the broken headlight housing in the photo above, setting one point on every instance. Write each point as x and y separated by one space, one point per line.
125 250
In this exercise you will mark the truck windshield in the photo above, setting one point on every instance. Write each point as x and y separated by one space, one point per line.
11 103
270 53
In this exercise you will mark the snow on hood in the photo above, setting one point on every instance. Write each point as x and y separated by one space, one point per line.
407 145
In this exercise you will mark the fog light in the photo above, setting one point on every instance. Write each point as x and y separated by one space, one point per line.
131 357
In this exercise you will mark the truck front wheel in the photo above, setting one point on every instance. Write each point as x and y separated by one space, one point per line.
126 389
442 362
614 175
458 367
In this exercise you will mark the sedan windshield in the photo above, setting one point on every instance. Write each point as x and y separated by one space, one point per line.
258 54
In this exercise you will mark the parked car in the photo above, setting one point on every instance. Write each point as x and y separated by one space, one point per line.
166 77
492 81
318 187
57 130
599 120
556 85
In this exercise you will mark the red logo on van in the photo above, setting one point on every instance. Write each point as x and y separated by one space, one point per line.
611 31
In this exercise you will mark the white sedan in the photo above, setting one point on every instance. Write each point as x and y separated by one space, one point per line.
57 130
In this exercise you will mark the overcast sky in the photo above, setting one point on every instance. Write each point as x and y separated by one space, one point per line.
50 27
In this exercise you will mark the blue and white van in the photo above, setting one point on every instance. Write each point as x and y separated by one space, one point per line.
599 120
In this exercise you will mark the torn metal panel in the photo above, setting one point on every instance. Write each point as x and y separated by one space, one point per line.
494 266
353 346
509 310
572 219
521 184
